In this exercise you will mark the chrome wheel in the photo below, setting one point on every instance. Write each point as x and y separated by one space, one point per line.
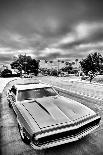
23 135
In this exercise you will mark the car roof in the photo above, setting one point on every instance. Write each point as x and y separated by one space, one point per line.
30 86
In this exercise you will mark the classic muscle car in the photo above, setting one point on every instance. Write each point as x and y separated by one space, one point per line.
46 119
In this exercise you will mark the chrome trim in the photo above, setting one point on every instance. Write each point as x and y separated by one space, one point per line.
65 140
65 128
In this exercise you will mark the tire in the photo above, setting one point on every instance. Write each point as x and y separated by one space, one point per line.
23 135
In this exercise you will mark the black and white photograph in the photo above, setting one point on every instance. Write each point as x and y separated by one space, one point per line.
51 77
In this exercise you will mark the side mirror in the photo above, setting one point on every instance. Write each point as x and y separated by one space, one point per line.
8 92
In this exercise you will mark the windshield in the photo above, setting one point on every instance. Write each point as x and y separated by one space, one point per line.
35 93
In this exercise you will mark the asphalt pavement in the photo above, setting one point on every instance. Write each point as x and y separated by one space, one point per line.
11 143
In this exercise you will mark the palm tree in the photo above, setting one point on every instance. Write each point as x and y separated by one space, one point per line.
51 61
76 60
73 63
46 61
62 61
67 63
58 65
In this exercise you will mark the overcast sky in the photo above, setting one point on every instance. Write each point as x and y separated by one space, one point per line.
50 28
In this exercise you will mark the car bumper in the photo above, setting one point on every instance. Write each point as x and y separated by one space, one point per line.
65 140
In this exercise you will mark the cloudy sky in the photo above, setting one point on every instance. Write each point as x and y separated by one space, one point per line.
50 28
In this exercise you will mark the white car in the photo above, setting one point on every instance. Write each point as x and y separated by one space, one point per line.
47 119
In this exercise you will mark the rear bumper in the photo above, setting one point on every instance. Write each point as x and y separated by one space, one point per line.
65 140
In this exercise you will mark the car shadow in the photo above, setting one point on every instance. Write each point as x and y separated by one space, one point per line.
73 148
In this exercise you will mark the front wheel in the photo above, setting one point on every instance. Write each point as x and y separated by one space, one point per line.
23 135
9 103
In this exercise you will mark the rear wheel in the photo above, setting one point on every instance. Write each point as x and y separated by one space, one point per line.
23 135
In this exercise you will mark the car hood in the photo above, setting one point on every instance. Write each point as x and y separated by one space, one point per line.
51 111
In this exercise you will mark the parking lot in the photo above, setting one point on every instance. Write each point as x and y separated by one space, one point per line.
11 142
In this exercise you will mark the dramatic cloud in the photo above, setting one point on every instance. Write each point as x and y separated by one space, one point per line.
50 29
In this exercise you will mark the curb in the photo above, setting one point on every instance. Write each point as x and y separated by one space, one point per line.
81 94
73 92
86 82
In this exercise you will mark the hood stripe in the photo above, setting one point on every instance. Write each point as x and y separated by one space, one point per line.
42 107
53 110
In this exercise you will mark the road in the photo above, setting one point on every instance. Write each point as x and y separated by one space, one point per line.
11 143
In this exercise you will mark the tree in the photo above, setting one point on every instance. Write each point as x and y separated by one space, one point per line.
62 61
59 61
46 61
51 61
25 63
92 64
66 63
54 72
73 63
68 69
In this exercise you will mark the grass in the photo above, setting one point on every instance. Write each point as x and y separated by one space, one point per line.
98 79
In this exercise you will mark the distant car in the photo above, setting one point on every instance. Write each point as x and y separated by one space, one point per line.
6 73
46 119
84 77
26 76
64 74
